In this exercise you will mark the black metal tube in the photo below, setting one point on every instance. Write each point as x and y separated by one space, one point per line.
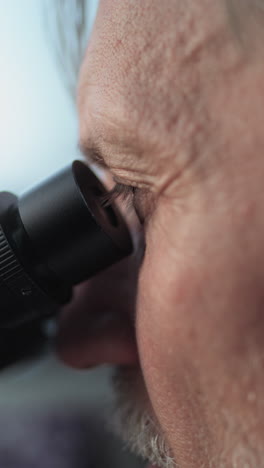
52 238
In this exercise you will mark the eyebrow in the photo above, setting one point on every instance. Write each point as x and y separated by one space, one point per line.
92 153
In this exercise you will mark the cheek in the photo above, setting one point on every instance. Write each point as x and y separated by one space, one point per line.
200 296
168 294
199 322
166 343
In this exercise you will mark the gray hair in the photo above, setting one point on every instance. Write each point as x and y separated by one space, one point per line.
68 29
70 24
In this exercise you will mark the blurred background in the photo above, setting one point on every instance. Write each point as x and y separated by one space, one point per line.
51 416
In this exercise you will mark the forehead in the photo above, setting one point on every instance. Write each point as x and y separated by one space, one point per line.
141 88
141 43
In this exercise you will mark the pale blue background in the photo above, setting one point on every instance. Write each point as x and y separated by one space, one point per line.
38 124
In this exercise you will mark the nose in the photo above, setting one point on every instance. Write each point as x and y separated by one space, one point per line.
98 326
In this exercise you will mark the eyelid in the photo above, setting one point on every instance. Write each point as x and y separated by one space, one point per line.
128 195
92 154
126 192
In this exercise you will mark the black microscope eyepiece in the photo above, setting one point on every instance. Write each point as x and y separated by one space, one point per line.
52 238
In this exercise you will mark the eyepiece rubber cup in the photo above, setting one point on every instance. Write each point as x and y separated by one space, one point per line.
53 237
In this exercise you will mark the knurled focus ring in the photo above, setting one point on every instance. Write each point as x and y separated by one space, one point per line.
15 278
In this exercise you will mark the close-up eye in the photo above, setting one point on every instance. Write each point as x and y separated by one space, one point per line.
131 196
121 191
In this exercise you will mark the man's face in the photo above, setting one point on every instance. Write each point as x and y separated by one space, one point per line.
171 96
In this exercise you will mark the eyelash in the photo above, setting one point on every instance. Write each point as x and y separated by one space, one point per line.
126 192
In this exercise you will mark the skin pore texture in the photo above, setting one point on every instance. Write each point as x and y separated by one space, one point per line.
171 94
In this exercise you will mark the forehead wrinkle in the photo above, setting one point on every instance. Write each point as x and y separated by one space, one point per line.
135 178
103 104
104 134
126 166
92 153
